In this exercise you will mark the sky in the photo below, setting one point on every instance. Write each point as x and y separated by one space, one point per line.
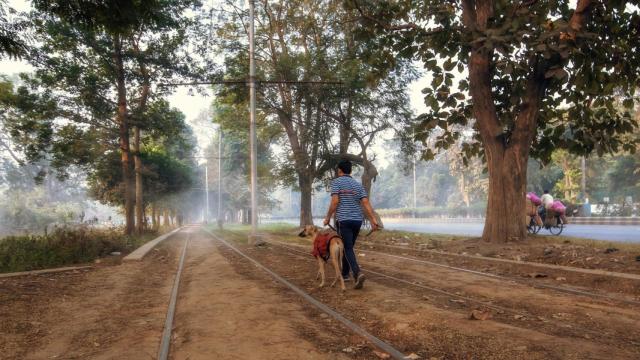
192 103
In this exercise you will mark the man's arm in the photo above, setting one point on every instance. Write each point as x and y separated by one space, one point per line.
335 200
369 210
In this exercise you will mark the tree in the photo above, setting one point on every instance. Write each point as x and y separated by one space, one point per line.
310 42
96 63
12 45
569 185
533 76
236 196
167 165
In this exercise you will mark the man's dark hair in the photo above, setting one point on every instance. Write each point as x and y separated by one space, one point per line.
345 166
546 191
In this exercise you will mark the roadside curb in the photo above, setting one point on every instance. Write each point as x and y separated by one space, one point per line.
43 271
594 220
143 250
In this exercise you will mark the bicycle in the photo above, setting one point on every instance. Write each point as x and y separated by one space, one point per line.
556 229
533 227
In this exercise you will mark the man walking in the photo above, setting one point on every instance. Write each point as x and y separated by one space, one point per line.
348 198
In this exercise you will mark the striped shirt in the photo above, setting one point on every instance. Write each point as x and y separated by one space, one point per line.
350 193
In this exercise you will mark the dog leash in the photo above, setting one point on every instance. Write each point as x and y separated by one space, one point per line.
369 233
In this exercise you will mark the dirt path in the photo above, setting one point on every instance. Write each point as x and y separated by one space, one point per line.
229 309
109 312
224 315
536 324
117 311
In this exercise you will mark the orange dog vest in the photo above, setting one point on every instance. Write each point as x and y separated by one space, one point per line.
322 243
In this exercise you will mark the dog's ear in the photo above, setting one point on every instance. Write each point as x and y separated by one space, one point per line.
303 233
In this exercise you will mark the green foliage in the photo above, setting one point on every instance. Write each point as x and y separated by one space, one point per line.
167 159
30 207
438 184
64 246
624 178
310 41
12 42
236 160
589 83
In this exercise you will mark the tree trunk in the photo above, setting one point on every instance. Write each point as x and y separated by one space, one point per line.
464 190
138 171
506 205
154 222
165 217
306 216
507 150
123 126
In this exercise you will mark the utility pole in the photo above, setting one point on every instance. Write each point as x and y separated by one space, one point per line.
253 142
252 127
290 200
414 186
583 182
220 217
206 190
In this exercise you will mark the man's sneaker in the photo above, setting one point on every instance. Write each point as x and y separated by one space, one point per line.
359 281
346 279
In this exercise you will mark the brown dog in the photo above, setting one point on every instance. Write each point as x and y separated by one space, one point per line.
335 252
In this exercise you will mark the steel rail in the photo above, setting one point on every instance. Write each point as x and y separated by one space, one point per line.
565 290
165 343
436 290
444 292
620 275
500 277
382 345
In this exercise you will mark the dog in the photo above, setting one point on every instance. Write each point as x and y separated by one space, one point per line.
335 252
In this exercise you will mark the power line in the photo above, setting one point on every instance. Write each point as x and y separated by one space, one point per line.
248 81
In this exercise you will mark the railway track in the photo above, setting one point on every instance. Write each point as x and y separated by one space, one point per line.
506 279
562 289
627 276
165 344
396 279
165 341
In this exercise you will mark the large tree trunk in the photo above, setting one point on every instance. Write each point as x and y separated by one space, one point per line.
507 150
138 171
142 106
306 187
121 119
506 205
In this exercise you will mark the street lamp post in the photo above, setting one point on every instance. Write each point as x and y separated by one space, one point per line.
220 218
414 187
252 127
253 238
206 189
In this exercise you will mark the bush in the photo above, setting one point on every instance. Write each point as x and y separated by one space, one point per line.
63 246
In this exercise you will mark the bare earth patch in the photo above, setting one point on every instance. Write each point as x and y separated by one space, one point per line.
229 309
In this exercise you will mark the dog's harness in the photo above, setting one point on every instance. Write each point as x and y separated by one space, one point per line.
322 243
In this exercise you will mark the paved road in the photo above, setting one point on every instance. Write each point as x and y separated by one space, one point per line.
623 233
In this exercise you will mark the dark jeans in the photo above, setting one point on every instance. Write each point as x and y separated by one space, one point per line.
349 230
